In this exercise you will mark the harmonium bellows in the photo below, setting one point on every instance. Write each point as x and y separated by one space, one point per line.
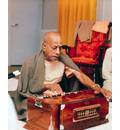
73 111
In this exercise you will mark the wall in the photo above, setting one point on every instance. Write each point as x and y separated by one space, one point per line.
24 39
49 17
104 10
50 13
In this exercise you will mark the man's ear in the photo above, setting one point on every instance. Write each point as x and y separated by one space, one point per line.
43 46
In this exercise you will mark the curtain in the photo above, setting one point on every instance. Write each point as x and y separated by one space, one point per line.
69 13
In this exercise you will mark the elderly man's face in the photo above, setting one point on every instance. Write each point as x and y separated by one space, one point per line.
52 48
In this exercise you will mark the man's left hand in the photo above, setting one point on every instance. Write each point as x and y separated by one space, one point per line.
106 93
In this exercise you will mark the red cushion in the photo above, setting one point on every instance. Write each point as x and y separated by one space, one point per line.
99 37
84 60
88 52
90 49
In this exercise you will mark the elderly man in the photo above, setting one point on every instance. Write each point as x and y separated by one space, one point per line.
42 73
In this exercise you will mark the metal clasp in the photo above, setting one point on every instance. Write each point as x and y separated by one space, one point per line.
38 103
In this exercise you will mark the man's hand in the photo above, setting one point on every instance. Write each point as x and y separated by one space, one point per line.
48 93
106 93
53 89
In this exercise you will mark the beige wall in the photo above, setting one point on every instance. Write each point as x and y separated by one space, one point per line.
50 13
104 10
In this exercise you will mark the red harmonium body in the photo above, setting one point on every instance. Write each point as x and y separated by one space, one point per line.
73 111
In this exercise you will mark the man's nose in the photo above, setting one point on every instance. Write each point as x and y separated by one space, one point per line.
58 51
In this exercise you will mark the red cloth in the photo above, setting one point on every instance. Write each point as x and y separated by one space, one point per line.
85 52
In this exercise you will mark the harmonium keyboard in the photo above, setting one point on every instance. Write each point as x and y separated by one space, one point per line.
72 111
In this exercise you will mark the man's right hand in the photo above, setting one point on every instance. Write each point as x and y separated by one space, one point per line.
52 90
48 93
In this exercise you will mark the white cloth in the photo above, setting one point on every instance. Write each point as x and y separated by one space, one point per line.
12 117
54 71
13 123
107 69
12 84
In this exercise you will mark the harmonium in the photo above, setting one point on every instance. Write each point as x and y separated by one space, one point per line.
72 111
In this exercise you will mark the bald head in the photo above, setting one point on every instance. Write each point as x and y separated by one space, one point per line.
51 45
51 36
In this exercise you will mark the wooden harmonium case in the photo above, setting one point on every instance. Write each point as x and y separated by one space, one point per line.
73 111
